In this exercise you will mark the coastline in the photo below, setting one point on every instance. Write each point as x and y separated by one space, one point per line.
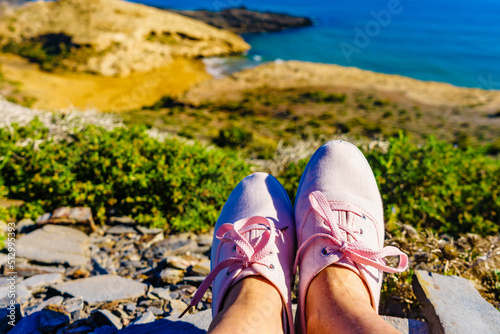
299 74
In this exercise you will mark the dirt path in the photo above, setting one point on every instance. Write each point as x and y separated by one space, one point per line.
58 91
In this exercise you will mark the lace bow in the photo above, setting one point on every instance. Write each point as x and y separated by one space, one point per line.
356 251
245 254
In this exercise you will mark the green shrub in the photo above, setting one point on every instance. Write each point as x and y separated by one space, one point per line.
233 137
436 186
322 97
171 184
53 52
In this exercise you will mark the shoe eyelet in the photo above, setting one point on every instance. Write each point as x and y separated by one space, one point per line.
271 266
364 217
361 231
234 248
227 273
324 252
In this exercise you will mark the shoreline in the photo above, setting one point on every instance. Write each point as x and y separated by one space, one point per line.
294 74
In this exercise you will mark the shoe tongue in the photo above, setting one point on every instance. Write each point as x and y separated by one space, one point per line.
342 219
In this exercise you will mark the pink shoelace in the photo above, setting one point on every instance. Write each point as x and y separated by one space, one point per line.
355 251
246 254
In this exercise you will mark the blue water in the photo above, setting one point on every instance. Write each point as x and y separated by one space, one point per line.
454 41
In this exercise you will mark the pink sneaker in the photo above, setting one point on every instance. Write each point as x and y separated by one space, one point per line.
255 235
339 220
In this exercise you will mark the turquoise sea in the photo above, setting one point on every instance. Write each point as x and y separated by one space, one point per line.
454 41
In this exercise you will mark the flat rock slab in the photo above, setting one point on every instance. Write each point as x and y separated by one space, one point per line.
21 295
105 288
451 304
55 245
407 326
37 282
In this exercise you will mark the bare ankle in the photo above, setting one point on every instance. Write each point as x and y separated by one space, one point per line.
252 304
338 297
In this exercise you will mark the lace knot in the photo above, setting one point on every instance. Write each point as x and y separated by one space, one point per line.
246 253
356 251
344 246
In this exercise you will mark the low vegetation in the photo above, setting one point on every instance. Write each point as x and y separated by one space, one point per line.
170 184
272 115
52 52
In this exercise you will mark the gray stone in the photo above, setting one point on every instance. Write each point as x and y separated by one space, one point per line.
124 220
56 300
8 279
55 244
205 239
156 310
150 239
105 317
121 229
163 293
21 295
52 318
407 326
171 276
26 269
130 307
144 319
202 267
38 282
176 246
451 304
146 230
198 321
106 288
67 215
9 317
28 325
75 308
194 279
177 262
25 226
177 306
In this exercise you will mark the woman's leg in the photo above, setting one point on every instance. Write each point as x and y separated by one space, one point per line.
252 305
338 301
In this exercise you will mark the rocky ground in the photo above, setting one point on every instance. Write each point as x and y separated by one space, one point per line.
116 275
244 21
74 277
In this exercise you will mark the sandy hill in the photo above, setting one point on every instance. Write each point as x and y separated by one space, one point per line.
111 37
296 74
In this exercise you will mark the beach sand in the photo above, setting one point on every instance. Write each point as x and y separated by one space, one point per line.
83 91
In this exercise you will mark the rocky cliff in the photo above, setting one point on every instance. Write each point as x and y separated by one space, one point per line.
109 37
242 21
